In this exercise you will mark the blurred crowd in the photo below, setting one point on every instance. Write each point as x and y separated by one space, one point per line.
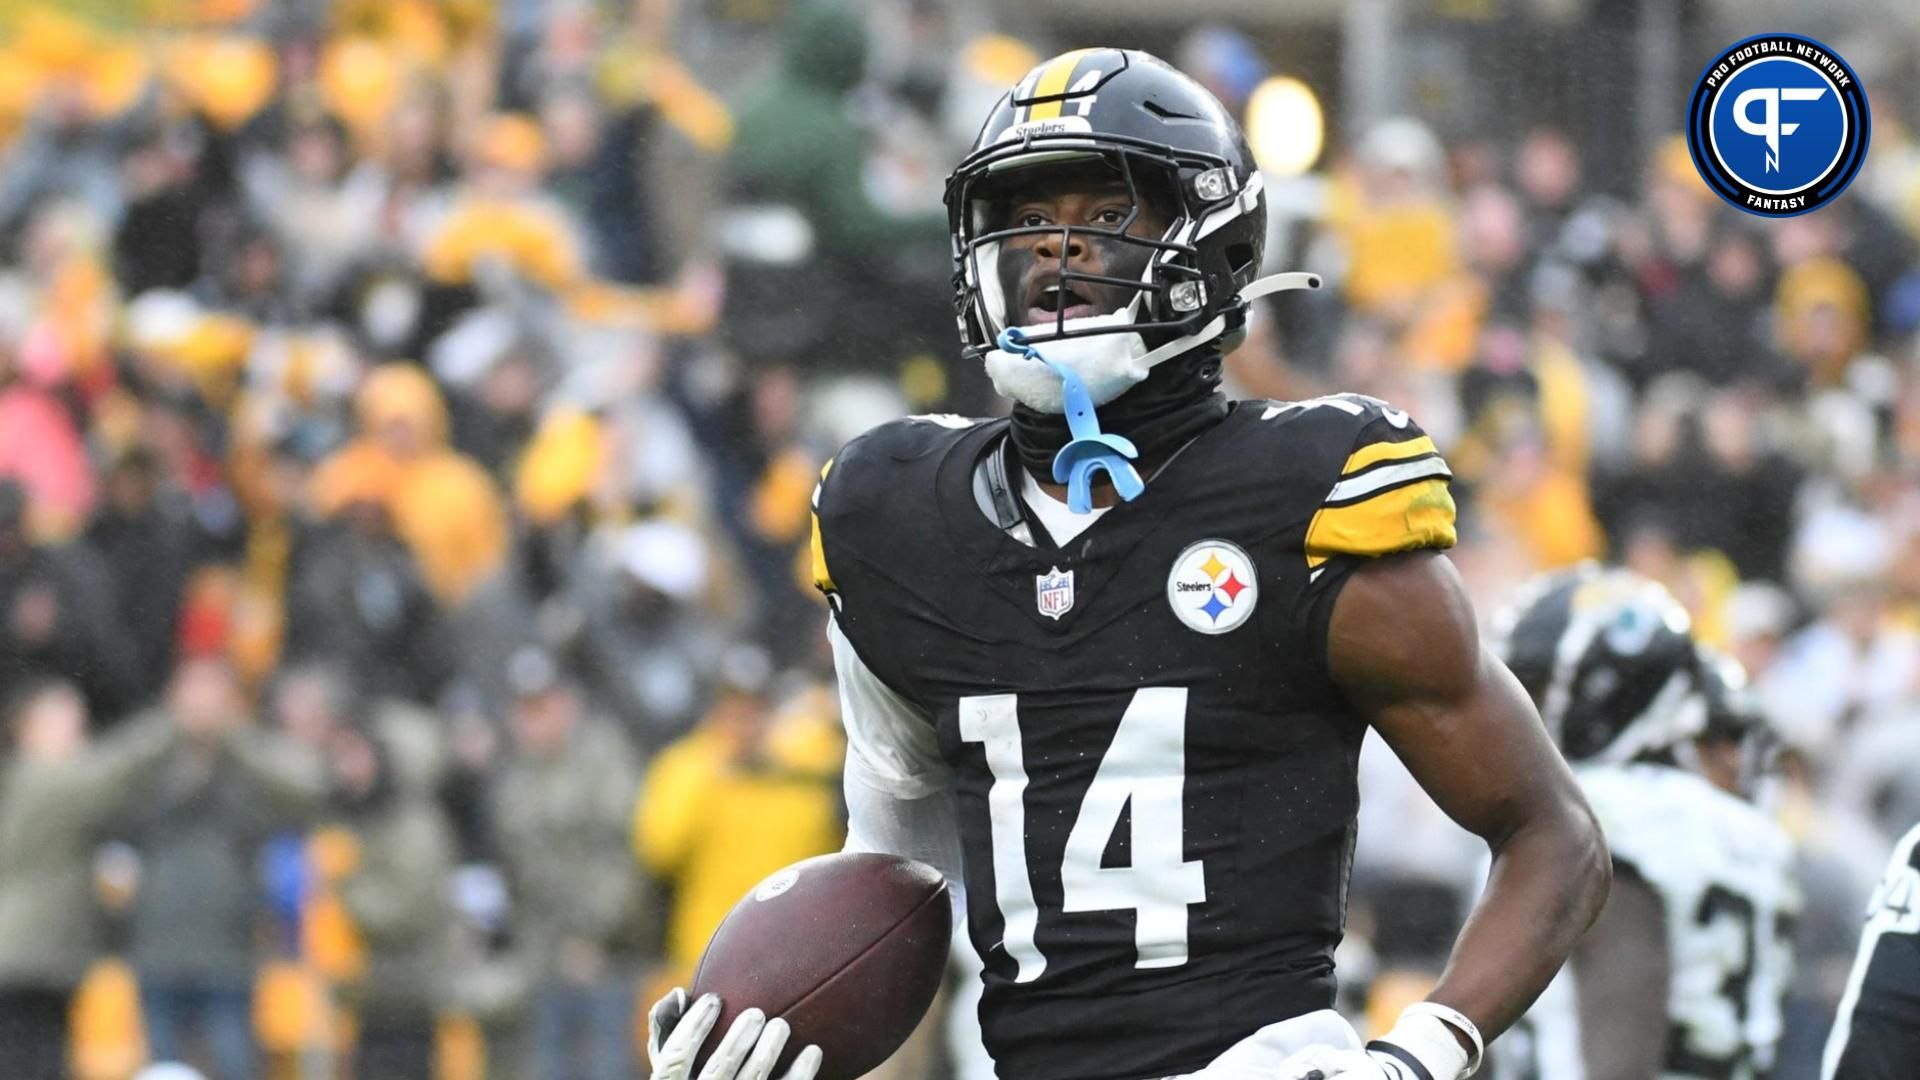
1727 405
408 415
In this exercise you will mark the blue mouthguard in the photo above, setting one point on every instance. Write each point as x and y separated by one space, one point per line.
1090 449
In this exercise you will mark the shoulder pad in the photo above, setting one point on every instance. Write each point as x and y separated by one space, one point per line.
869 473
1386 481
1679 830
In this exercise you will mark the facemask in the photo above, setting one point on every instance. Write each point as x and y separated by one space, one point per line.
1108 364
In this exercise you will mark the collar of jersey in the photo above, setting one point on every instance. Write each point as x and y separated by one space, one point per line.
1093 555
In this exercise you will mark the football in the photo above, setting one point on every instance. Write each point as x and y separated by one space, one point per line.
848 948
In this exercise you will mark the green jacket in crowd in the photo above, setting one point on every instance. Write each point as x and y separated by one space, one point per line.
563 824
199 826
796 142
52 818
396 896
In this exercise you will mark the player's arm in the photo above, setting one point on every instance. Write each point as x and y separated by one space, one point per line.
1620 971
899 800
898 789
1404 647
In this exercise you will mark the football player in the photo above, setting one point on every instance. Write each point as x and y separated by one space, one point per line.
1108 662
1877 1034
1683 974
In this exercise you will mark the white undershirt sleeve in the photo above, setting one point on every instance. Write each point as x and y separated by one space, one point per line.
899 792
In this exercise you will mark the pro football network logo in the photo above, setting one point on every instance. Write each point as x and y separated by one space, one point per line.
1053 592
1778 125
1212 587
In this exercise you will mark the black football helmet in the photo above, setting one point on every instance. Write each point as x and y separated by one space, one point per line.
1165 138
1734 715
1609 659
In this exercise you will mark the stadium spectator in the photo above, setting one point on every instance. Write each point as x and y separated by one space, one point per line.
65 151
299 189
57 616
393 888
1715 323
442 504
799 220
59 791
355 592
145 536
199 827
563 805
41 449
501 221
753 788
644 634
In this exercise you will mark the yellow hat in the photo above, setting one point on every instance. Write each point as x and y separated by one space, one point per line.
116 76
360 81
512 141
420 27
1822 283
1673 162
997 59
228 77
561 466
21 83
358 474
55 40
218 344
401 392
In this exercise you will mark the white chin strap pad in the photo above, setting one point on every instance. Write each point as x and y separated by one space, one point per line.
1109 363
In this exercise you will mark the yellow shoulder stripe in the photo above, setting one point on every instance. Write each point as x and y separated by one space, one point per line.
1053 82
822 580
1373 453
1419 515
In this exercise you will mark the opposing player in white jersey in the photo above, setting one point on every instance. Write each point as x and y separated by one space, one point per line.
1682 976
1877 1034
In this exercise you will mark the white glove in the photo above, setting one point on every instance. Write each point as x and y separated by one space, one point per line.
1332 1063
1421 1046
675 1033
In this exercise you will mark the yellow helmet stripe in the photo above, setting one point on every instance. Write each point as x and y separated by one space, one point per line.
1053 82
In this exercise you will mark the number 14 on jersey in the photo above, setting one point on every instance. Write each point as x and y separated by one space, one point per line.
1145 766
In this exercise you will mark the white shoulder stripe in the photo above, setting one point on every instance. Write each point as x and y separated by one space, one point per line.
1368 483
1900 870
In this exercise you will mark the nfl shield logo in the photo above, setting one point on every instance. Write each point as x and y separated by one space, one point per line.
1053 592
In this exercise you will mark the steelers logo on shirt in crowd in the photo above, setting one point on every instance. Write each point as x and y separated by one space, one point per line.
1213 586
1778 125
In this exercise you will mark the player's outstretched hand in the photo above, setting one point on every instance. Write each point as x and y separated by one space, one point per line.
748 1051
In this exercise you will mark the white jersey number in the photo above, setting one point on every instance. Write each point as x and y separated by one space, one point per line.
1145 766
1895 907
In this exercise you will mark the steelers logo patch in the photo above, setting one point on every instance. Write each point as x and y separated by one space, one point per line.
1213 586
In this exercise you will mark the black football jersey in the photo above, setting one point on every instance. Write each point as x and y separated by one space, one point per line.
1154 774
1877 1034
